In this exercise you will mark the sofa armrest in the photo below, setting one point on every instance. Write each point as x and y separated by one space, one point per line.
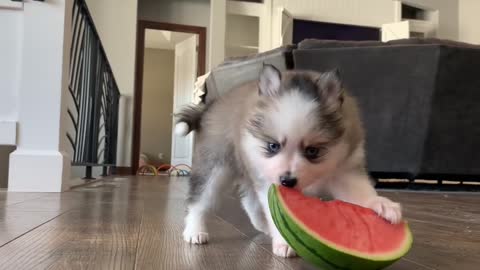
237 71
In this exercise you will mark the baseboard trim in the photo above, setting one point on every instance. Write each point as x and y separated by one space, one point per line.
16 5
122 171
51 171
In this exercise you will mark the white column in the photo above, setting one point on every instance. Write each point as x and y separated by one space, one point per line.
125 127
10 29
40 163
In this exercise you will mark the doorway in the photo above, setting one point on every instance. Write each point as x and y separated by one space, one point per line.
169 58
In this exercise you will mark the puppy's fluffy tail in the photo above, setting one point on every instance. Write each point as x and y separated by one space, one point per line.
188 119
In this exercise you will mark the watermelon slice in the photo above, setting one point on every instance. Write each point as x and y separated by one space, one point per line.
336 234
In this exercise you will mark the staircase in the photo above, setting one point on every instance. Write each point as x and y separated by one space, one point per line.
94 97
58 95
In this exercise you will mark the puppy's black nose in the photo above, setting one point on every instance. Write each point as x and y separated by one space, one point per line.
288 180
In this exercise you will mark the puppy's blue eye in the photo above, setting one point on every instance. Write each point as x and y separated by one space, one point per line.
273 148
312 152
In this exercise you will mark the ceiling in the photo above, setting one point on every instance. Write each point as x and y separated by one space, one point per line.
166 40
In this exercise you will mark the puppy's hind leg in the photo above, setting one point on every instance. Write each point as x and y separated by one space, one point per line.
203 195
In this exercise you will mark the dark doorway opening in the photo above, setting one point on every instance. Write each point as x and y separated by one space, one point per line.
303 29
142 27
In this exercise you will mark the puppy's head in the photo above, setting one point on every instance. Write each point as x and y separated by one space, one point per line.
293 136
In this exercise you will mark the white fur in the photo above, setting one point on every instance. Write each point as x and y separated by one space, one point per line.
269 81
254 210
195 231
251 146
292 122
385 208
280 247
182 129
356 188
293 115
283 250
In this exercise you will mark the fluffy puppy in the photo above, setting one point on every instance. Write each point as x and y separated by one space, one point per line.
299 129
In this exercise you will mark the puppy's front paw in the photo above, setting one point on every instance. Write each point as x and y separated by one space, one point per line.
261 226
283 250
387 209
195 237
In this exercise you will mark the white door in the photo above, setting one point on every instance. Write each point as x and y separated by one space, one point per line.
185 76
282 28
396 30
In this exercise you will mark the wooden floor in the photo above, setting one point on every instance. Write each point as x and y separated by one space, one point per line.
136 223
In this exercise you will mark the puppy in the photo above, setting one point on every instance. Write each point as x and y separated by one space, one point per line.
299 129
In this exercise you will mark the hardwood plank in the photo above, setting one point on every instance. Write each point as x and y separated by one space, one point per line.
446 228
161 245
100 238
15 220
98 230
53 202
55 248
137 223
13 224
441 246
9 198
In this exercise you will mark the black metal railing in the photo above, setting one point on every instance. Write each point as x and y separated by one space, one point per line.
93 109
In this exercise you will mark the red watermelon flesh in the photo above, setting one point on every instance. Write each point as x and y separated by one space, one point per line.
336 233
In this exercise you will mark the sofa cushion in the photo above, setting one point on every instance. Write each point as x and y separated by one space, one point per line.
394 87
308 44
452 143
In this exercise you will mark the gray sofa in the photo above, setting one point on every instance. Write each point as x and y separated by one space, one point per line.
419 98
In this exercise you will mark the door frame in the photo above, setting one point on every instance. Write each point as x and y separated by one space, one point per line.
142 26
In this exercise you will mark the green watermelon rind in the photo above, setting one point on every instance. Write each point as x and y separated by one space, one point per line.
309 254
322 252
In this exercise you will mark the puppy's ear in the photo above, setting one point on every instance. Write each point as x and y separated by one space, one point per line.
270 80
331 87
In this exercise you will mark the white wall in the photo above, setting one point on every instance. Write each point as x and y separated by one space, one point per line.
10 50
371 13
188 12
11 27
216 33
116 23
448 17
469 21
357 12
